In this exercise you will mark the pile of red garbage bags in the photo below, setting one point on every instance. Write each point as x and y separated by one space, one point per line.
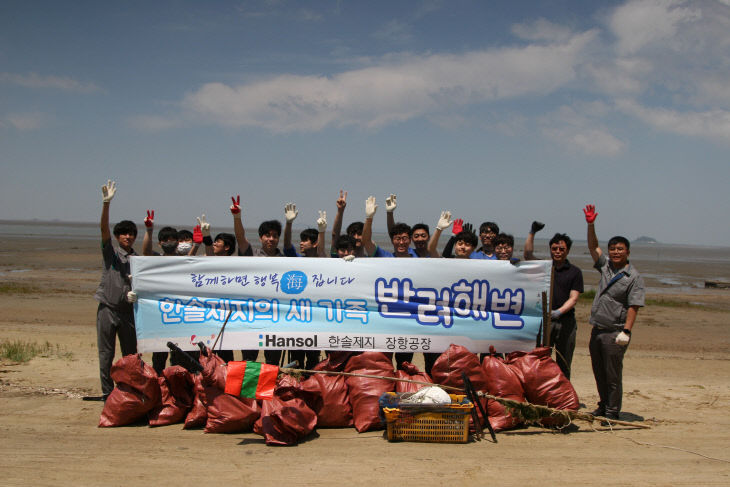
325 401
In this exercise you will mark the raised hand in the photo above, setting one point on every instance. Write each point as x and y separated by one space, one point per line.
370 207
468 227
590 212
536 227
236 206
390 203
108 190
458 226
322 221
444 220
342 200
204 226
290 212
198 234
149 220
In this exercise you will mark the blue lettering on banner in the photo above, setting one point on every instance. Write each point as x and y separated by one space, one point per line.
398 298
293 282
195 310
338 309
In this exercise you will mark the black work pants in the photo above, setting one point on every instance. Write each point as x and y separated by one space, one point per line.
562 337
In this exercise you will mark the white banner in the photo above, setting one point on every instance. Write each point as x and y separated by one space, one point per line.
380 304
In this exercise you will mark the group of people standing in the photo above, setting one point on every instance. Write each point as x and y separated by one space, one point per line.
619 295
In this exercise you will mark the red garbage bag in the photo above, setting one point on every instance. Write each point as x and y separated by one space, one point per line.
335 361
544 382
449 366
410 372
176 387
198 414
288 387
332 403
285 422
136 393
452 363
227 413
214 370
365 392
502 381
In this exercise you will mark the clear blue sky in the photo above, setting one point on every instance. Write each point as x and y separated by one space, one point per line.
503 110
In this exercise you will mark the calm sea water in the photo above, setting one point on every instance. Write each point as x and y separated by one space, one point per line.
665 267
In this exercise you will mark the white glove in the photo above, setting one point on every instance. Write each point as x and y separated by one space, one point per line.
131 297
290 212
555 314
370 207
622 339
348 258
108 190
322 221
390 203
204 226
444 221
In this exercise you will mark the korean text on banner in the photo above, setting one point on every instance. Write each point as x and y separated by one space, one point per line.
409 305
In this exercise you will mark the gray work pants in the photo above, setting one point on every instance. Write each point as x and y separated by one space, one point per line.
607 359
109 324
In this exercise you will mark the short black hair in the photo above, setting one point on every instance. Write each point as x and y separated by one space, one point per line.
620 239
184 235
345 242
489 225
167 233
468 237
420 226
354 227
504 238
399 228
125 227
309 235
228 239
268 226
558 237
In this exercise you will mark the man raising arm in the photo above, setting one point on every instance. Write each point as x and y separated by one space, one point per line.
619 296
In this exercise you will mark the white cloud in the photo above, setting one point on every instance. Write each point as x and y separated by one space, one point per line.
542 30
26 121
34 80
641 23
711 124
580 130
391 92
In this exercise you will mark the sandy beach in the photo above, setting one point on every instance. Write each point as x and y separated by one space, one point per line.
675 380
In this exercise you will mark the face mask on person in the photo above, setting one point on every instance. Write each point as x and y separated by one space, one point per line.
168 247
183 248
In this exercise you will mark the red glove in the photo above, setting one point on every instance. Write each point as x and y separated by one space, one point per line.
590 213
458 226
197 235
236 206
149 220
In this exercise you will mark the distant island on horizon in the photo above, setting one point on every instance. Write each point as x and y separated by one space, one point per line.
646 240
